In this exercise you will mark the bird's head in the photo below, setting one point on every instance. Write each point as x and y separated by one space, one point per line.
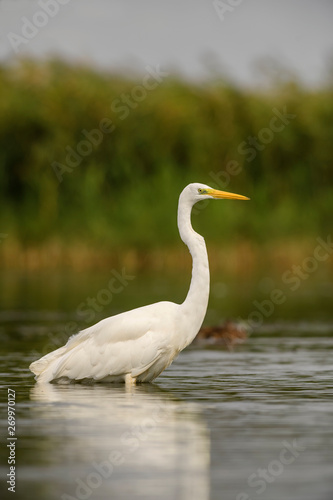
197 192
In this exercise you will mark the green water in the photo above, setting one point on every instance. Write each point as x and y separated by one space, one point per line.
252 423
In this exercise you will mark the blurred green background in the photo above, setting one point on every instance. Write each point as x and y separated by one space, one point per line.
134 143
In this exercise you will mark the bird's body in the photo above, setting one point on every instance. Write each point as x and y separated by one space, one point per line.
137 345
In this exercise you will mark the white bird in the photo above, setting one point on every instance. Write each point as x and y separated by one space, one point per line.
137 345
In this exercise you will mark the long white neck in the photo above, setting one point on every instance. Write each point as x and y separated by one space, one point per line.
194 307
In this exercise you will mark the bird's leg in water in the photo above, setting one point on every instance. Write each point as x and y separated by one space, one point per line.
129 380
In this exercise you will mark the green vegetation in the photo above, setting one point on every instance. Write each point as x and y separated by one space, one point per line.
119 188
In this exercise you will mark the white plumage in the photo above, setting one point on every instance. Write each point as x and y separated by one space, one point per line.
136 346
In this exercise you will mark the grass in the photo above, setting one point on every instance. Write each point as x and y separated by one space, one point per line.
121 198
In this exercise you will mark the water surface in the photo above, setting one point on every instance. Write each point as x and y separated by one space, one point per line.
255 422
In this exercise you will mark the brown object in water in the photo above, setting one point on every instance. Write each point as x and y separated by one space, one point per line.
228 334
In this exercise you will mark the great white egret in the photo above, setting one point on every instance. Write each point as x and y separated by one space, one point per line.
136 346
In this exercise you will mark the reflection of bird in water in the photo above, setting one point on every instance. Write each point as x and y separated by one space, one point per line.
116 432
138 345
228 334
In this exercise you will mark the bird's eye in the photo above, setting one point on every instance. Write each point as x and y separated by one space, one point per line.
202 191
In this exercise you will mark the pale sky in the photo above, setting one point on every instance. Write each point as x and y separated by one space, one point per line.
191 37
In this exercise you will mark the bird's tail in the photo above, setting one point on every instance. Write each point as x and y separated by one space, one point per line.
40 366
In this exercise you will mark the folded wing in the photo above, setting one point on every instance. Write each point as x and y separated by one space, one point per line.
130 342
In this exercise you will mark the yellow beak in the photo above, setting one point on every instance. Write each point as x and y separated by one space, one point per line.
215 193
